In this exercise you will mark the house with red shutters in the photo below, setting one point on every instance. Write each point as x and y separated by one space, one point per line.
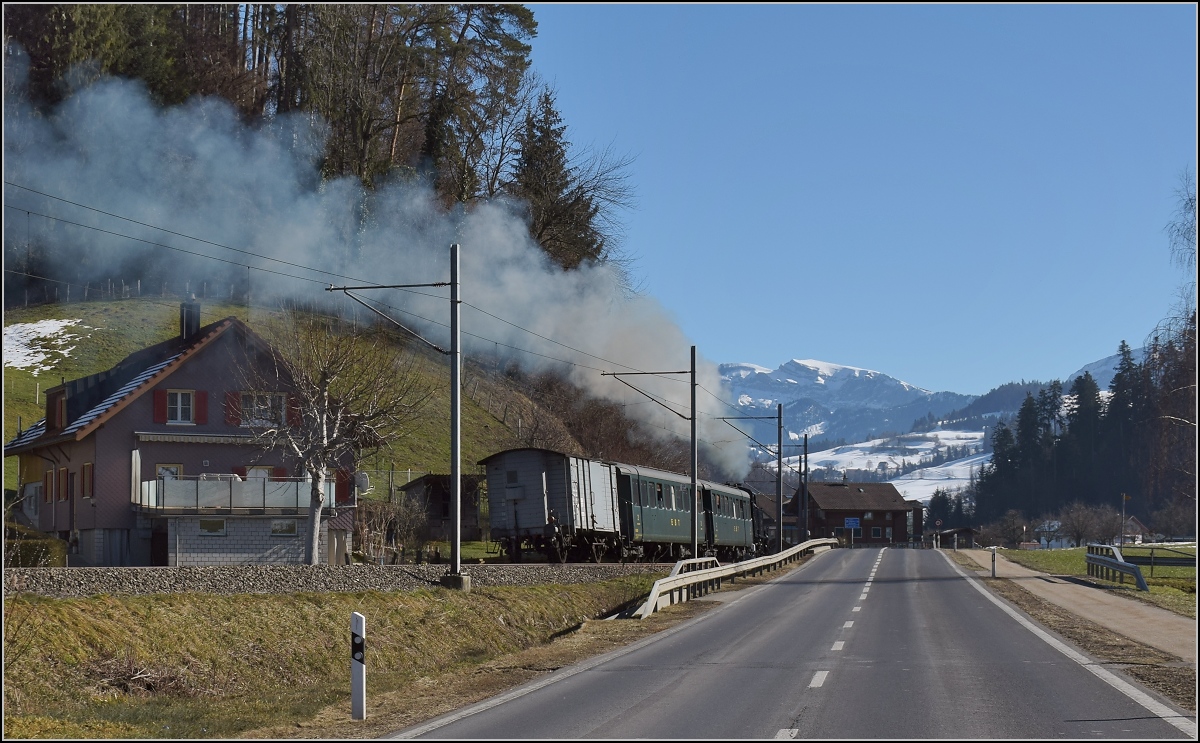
153 462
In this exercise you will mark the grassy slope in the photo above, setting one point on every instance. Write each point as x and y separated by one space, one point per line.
118 328
195 666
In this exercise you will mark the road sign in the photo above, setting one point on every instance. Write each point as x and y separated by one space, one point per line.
851 523
937 523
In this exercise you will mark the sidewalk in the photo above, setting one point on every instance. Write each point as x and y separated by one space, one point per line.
1130 618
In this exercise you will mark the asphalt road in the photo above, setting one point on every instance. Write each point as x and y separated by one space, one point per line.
861 643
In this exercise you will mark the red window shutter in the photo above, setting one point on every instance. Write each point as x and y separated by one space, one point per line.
201 413
62 483
293 412
160 406
279 473
233 408
48 486
341 489
239 471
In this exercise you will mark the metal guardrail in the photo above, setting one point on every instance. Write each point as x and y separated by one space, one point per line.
1104 561
682 584
1173 558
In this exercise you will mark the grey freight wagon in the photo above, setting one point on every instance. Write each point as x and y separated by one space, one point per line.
557 504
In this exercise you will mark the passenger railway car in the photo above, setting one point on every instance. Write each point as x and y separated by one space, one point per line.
574 508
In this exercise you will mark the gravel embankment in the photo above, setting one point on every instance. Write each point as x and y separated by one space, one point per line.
76 582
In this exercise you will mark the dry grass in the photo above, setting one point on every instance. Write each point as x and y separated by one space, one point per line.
199 665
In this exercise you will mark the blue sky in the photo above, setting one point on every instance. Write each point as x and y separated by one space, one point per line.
957 196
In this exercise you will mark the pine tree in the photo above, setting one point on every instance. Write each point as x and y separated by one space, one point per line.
561 213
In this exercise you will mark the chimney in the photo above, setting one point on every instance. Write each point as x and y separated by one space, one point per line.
189 318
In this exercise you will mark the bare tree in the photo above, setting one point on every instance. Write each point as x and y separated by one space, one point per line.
1078 523
348 393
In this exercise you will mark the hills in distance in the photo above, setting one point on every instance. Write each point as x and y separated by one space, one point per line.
837 403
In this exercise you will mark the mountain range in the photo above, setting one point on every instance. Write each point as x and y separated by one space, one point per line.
833 402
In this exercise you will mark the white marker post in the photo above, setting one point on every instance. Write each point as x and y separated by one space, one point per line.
358 666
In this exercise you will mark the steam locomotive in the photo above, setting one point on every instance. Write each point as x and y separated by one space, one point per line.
577 509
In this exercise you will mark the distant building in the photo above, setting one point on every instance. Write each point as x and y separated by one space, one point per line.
882 514
434 492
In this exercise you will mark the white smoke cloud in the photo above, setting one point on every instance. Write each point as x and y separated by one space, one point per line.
197 170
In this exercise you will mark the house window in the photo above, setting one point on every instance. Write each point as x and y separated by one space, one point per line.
168 471
283 527
877 532
88 483
512 477
868 516
821 513
60 412
263 408
212 527
180 406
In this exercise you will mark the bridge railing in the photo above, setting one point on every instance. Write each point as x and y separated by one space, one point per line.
684 584
1104 561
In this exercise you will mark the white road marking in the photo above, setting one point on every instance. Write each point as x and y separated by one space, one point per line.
1183 724
857 608
818 679
848 625
838 645
787 734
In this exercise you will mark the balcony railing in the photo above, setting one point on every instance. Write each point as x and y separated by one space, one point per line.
229 491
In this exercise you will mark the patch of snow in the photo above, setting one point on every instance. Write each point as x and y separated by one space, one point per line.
38 345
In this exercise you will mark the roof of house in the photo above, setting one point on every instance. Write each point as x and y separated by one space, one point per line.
435 480
857 496
133 376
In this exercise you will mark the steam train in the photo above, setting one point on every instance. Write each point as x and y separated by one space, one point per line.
575 509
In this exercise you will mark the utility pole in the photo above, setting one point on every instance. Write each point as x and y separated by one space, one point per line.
695 466
455 578
456 575
807 535
779 474
695 457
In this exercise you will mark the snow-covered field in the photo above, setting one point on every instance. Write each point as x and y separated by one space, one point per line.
910 448
34 345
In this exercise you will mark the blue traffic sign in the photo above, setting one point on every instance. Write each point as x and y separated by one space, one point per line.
851 523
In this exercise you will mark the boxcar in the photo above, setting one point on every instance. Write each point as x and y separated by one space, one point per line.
560 505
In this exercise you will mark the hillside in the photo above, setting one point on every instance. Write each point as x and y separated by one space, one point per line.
92 336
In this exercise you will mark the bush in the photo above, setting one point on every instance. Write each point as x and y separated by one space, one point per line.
27 548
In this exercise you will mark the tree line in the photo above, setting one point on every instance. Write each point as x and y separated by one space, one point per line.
1132 445
443 94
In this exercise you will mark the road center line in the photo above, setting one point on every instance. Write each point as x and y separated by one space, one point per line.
818 679
838 645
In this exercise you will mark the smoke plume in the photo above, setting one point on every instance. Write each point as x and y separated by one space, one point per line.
197 171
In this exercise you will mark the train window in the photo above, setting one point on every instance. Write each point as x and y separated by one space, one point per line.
512 477
658 491
671 493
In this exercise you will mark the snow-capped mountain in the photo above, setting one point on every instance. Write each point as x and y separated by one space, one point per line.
834 401
1105 369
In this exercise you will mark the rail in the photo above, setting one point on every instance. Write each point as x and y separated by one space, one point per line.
684 584
1104 561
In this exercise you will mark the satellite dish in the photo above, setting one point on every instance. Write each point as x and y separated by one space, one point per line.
362 482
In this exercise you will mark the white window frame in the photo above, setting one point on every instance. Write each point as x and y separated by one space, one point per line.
176 408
